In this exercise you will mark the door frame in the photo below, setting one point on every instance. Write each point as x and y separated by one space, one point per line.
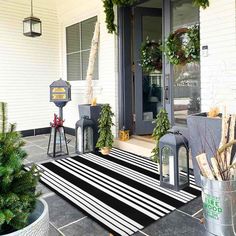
125 75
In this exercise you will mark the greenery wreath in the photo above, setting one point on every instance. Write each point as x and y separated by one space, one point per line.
183 46
151 56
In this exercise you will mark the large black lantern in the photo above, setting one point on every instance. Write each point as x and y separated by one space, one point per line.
84 131
32 26
174 161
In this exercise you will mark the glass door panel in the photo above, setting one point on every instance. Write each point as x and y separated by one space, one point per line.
148 86
186 79
152 82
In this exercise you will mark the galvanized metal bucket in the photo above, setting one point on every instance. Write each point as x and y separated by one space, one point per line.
219 206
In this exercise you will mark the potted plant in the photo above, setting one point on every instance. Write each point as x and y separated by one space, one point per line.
105 123
21 213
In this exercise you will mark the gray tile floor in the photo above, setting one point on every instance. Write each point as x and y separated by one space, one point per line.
72 222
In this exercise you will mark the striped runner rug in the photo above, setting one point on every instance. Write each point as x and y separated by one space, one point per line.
120 191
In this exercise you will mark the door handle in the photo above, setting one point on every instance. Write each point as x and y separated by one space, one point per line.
167 93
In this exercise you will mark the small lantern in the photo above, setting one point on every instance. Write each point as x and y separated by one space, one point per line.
32 26
57 145
84 131
124 135
174 161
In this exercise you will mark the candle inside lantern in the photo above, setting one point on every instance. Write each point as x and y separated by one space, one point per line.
171 170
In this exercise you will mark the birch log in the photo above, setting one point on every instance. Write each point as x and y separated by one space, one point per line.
215 167
231 137
222 156
204 166
91 63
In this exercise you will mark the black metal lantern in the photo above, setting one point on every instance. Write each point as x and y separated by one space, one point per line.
32 26
84 131
174 161
57 145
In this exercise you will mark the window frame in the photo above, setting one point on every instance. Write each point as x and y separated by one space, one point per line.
63 55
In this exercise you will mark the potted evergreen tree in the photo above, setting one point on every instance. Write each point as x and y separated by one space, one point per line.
105 123
162 125
20 211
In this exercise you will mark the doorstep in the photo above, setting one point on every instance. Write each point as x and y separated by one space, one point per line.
136 145
141 146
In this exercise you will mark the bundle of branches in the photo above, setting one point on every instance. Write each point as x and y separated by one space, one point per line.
221 166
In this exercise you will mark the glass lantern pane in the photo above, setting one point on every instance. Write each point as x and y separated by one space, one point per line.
60 141
36 27
26 27
51 144
168 171
183 165
88 139
79 140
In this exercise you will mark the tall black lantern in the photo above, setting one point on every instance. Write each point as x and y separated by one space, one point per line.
32 26
84 132
57 145
174 161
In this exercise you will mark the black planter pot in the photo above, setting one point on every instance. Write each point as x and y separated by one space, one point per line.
93 113
204 136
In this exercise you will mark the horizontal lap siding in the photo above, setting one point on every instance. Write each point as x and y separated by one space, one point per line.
105 89
218 70
28 65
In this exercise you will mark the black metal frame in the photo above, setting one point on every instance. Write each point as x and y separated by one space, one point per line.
83 127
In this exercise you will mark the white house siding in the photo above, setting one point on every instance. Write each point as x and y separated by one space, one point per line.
105 89
218 69
28 65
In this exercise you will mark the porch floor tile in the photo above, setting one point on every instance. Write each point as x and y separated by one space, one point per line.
85 227
61 212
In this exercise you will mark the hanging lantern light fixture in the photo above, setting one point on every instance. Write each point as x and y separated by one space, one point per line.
32 26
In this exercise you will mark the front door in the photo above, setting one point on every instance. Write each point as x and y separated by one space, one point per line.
148 86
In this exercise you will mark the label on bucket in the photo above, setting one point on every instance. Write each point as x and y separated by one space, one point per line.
211 206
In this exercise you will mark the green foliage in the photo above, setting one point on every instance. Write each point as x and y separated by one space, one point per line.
105 123
162 125
109 11
151 56
110 15
17 187
183 46
201 3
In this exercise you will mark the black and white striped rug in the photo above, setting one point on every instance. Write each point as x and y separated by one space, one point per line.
121 191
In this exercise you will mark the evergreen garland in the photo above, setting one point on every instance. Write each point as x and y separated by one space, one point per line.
17 187
105 123
109 11
110 15
201 3
162 125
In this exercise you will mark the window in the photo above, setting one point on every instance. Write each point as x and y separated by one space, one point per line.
78 44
